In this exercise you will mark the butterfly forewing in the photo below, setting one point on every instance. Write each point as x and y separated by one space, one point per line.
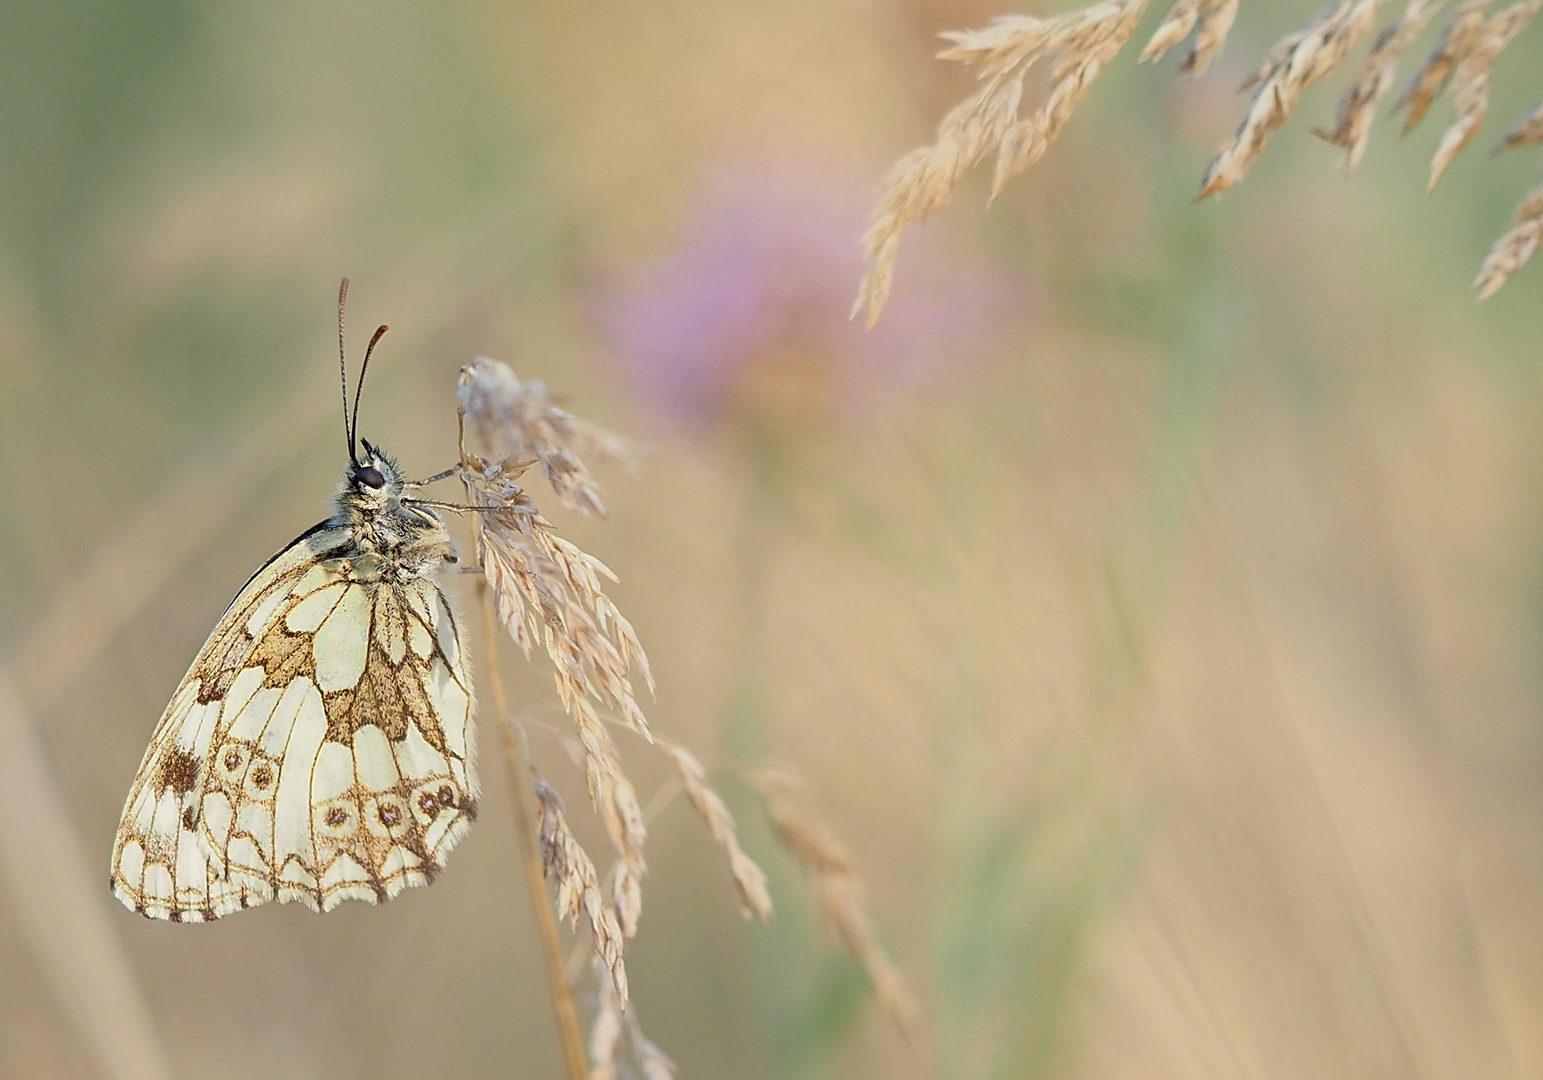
319 749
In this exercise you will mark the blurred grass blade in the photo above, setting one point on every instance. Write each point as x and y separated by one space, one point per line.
62 908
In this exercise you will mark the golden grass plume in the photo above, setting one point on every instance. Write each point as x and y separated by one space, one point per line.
1514 247
1077 45
1464 59
1358 105
1295 63
1210 20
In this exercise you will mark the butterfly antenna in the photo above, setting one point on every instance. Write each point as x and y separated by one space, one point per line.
380 332
348 431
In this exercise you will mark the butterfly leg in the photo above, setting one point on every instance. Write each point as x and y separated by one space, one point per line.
485 507
443 474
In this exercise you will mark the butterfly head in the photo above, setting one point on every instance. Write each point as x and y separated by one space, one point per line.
373 480
406 539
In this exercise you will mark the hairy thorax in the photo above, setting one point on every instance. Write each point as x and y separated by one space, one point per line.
393 542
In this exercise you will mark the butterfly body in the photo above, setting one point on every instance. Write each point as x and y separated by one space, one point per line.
320 748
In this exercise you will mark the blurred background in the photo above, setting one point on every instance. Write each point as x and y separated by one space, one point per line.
1153 602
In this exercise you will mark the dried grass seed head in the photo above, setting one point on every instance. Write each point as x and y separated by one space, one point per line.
548 590
1077 45
1472 78
749 880
521 421
1293 64
1455 43
843 905
1527 132
1211 21
1358 104
1511 252
578 887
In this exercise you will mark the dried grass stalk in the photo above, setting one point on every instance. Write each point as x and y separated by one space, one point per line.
1295 63
1358 104
1214 19
1468 52
1077 45
520 420
843 907
749 879
1527 132
1513 249
578 887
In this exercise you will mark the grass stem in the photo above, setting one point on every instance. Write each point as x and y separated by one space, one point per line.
571 1038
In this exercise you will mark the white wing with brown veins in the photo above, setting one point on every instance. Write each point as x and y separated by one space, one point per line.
319 749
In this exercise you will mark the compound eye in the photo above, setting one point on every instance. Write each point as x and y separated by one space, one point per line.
370 477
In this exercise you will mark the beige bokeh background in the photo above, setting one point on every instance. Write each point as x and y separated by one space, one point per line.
1168 660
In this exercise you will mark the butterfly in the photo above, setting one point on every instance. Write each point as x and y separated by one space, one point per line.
321 746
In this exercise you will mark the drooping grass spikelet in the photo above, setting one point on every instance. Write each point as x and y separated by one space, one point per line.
1295 63
654 1062
578 887
1358 105
843 906
1211 20
749 879
612 1030
520 420
1515 247
623 819
1077 45
1527 132
546 589
605 1033
1454 44
1474 53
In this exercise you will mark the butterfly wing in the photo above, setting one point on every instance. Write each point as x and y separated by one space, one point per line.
319 749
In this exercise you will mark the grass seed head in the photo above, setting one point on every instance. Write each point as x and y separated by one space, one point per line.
1511 252
1211 21
1358 104
1293 64
1076 45
843 905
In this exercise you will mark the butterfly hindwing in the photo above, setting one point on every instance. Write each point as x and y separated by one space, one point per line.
318 750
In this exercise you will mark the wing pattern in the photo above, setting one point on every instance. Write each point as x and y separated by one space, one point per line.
320 748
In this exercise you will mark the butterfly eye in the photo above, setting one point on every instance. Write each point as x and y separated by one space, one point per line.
370 476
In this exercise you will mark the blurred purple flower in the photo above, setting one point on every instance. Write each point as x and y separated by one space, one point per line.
753 304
